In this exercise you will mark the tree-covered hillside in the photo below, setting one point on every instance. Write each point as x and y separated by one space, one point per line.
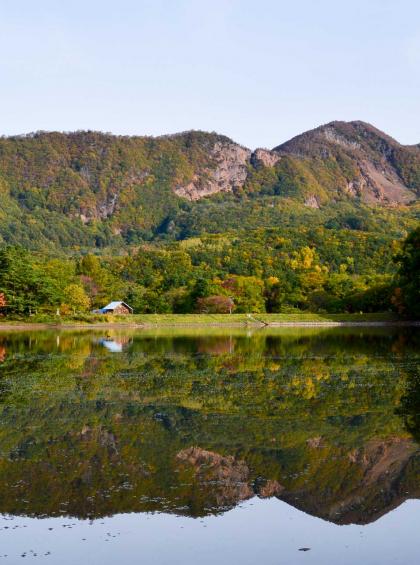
196 223
83 189
87 190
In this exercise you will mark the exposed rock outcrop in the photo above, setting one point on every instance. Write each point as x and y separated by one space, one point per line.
374 167
312 201
265 158
227 172
381 184
367 165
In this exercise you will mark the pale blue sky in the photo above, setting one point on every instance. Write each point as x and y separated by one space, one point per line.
257 71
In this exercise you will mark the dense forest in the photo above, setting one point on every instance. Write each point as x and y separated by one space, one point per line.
262 271
196 223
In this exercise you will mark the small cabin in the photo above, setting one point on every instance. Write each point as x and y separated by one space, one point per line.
117 307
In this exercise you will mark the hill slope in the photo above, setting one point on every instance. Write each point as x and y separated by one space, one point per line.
88 189
367 163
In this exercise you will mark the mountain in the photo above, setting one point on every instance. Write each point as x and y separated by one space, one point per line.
89 189
366 162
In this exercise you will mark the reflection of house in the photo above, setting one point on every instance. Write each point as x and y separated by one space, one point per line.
112 345
115 345
117 307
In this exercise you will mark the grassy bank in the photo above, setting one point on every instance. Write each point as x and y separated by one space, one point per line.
167 320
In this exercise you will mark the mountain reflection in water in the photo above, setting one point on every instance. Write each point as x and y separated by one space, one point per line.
327 421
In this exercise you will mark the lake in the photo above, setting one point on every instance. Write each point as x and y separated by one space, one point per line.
297 445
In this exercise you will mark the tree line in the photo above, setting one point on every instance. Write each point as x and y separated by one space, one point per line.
263 272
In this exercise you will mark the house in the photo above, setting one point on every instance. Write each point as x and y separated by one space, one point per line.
116 307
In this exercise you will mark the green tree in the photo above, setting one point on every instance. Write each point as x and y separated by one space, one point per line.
25 285
247 293
77 298
408 278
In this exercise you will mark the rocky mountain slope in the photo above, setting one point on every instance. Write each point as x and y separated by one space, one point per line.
368 163
89 187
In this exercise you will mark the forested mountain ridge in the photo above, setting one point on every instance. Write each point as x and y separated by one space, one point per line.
369 163
197 223
84 190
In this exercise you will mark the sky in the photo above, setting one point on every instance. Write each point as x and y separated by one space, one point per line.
257 71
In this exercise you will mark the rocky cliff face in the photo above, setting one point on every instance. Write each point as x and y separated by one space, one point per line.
368 164
264 158
226 172
353 160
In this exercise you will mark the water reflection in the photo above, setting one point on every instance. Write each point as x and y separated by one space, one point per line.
98 424
115 345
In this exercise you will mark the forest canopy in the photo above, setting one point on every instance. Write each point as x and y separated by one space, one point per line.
260 271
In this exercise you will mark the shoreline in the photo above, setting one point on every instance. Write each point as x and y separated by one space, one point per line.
23 326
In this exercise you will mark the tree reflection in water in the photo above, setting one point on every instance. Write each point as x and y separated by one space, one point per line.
327 421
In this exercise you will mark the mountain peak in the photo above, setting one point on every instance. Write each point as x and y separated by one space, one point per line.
354 134
371 164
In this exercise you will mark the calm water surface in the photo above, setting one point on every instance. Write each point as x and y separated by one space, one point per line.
272 447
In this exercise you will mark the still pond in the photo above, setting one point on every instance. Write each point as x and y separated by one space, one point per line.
274 447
